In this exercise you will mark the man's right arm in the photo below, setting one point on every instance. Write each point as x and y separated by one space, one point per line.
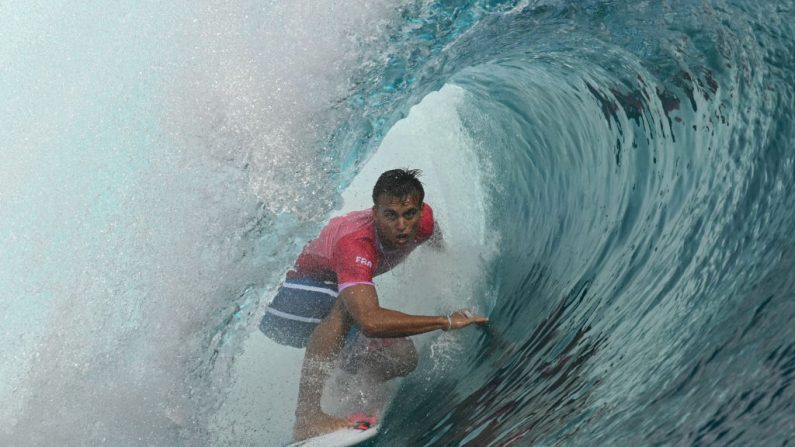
361 301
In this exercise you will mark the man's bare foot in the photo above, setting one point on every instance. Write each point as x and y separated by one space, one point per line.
318 424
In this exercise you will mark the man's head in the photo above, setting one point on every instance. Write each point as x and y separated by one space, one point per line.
400 183
397 199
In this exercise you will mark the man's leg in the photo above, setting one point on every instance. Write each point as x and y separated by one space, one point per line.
398 358
324 345
381 358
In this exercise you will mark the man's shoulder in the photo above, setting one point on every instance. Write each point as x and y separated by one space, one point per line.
355 255
351 222
356 231
343 226
427 223
361 239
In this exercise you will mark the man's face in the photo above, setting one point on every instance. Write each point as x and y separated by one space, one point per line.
397 220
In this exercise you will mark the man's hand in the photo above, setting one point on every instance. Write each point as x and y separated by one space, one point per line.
463 317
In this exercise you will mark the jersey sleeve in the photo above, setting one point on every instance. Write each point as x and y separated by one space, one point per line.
354 262
426 223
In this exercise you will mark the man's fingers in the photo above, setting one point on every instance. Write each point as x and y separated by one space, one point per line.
480 320
470 318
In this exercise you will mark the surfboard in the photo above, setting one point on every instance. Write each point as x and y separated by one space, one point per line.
340 438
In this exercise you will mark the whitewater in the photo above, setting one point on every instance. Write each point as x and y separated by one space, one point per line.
614 180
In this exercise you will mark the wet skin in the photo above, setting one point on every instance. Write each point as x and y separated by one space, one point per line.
397 220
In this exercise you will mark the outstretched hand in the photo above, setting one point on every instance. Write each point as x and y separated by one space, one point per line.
463 317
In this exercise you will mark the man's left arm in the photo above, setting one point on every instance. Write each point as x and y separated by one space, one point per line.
361 301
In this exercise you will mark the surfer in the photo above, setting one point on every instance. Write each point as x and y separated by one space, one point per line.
329 300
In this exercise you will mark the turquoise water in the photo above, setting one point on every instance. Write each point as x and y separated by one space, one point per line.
164 165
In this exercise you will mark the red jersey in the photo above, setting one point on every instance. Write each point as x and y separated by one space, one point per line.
349 252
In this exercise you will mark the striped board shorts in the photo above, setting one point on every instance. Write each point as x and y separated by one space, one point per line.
296 310
298 307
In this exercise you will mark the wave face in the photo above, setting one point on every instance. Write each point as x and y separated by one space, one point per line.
165 167
644 284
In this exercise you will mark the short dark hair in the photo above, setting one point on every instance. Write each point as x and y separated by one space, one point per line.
400 183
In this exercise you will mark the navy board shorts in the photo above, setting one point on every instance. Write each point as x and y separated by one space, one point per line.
299 306
297 309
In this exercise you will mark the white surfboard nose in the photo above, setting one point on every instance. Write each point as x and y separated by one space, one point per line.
340 438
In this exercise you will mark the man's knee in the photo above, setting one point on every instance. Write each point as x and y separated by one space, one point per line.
398 359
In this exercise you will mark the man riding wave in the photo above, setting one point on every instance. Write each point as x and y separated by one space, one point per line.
330 291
